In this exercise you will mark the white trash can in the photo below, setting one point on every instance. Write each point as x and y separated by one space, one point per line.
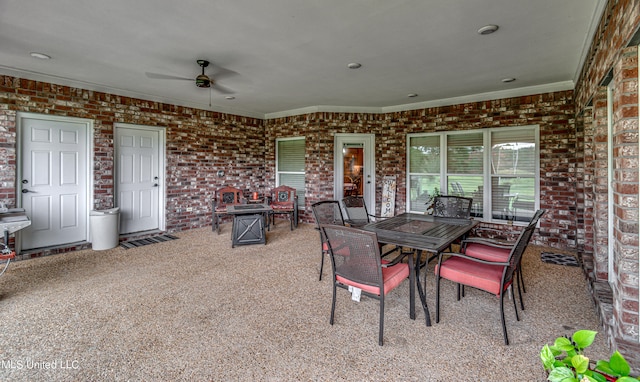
105 228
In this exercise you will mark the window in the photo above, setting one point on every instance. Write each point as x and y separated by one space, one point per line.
290 153
498 168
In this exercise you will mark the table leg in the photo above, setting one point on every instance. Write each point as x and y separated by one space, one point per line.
421 292
412 289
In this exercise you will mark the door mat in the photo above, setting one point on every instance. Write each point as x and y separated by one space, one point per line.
147 241
559 259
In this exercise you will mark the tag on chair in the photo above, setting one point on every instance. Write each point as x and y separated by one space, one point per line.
355 293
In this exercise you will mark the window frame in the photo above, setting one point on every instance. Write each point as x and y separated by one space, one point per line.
299 192
487 175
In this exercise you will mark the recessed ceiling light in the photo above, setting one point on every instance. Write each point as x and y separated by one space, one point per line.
230 97
507 80
488 29
412 95
40 56
354 65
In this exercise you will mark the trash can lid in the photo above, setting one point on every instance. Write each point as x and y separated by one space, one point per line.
110 211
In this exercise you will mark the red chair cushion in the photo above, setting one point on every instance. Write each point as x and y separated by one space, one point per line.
482 276
391 277
485 252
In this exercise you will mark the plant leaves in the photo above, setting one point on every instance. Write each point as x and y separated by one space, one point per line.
547 357
627 379
580 363
619 365
563 343
562 374
583 338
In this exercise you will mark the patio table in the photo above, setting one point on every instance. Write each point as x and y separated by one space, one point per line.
421 233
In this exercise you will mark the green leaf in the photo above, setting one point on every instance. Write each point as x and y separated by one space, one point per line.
583 338
580 363
627 379
563 344
547 357
595 376
619 365
604 367
562 374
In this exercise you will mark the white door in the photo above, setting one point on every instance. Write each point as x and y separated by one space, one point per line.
139 153
364 171
54 180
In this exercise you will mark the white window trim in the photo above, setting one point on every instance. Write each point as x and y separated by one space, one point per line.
278 172
487 175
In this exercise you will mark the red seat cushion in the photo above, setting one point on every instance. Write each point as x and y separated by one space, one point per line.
485 252
391 277
482 276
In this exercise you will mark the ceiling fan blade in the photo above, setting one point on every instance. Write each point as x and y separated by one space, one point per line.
221 72
166 77
221 89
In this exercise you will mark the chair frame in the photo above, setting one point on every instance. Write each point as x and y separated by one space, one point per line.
357 202
444 205
284 201
337 247
321 216
510 267
505 245
224 197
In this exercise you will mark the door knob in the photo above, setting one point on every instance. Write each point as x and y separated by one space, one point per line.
155 185
24 191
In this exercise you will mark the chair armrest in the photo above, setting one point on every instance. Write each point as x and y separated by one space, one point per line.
488 242
378 217
397 259
475 259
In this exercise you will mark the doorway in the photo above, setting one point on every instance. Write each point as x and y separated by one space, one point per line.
54 179
140 189
354 167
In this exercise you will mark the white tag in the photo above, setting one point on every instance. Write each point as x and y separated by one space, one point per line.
355 293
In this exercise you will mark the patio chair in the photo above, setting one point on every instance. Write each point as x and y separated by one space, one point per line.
357 267
457 189
495 277
357 214
224 197
449 206
326 212
497 250
284 200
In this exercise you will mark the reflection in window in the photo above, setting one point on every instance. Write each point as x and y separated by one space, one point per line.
502 182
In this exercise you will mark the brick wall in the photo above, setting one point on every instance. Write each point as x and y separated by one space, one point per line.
553 112
610 60
198 144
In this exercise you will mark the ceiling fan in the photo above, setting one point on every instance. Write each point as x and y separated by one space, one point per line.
202 80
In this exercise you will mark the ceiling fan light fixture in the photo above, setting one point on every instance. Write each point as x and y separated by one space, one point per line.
203 81
354 65
412 95
507 80
488 29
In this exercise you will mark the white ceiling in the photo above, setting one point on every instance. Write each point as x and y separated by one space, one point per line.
291 56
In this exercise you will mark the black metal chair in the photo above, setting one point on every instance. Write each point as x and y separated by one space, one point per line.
358 267
357 214
497 250
326 212
495 277
449 206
